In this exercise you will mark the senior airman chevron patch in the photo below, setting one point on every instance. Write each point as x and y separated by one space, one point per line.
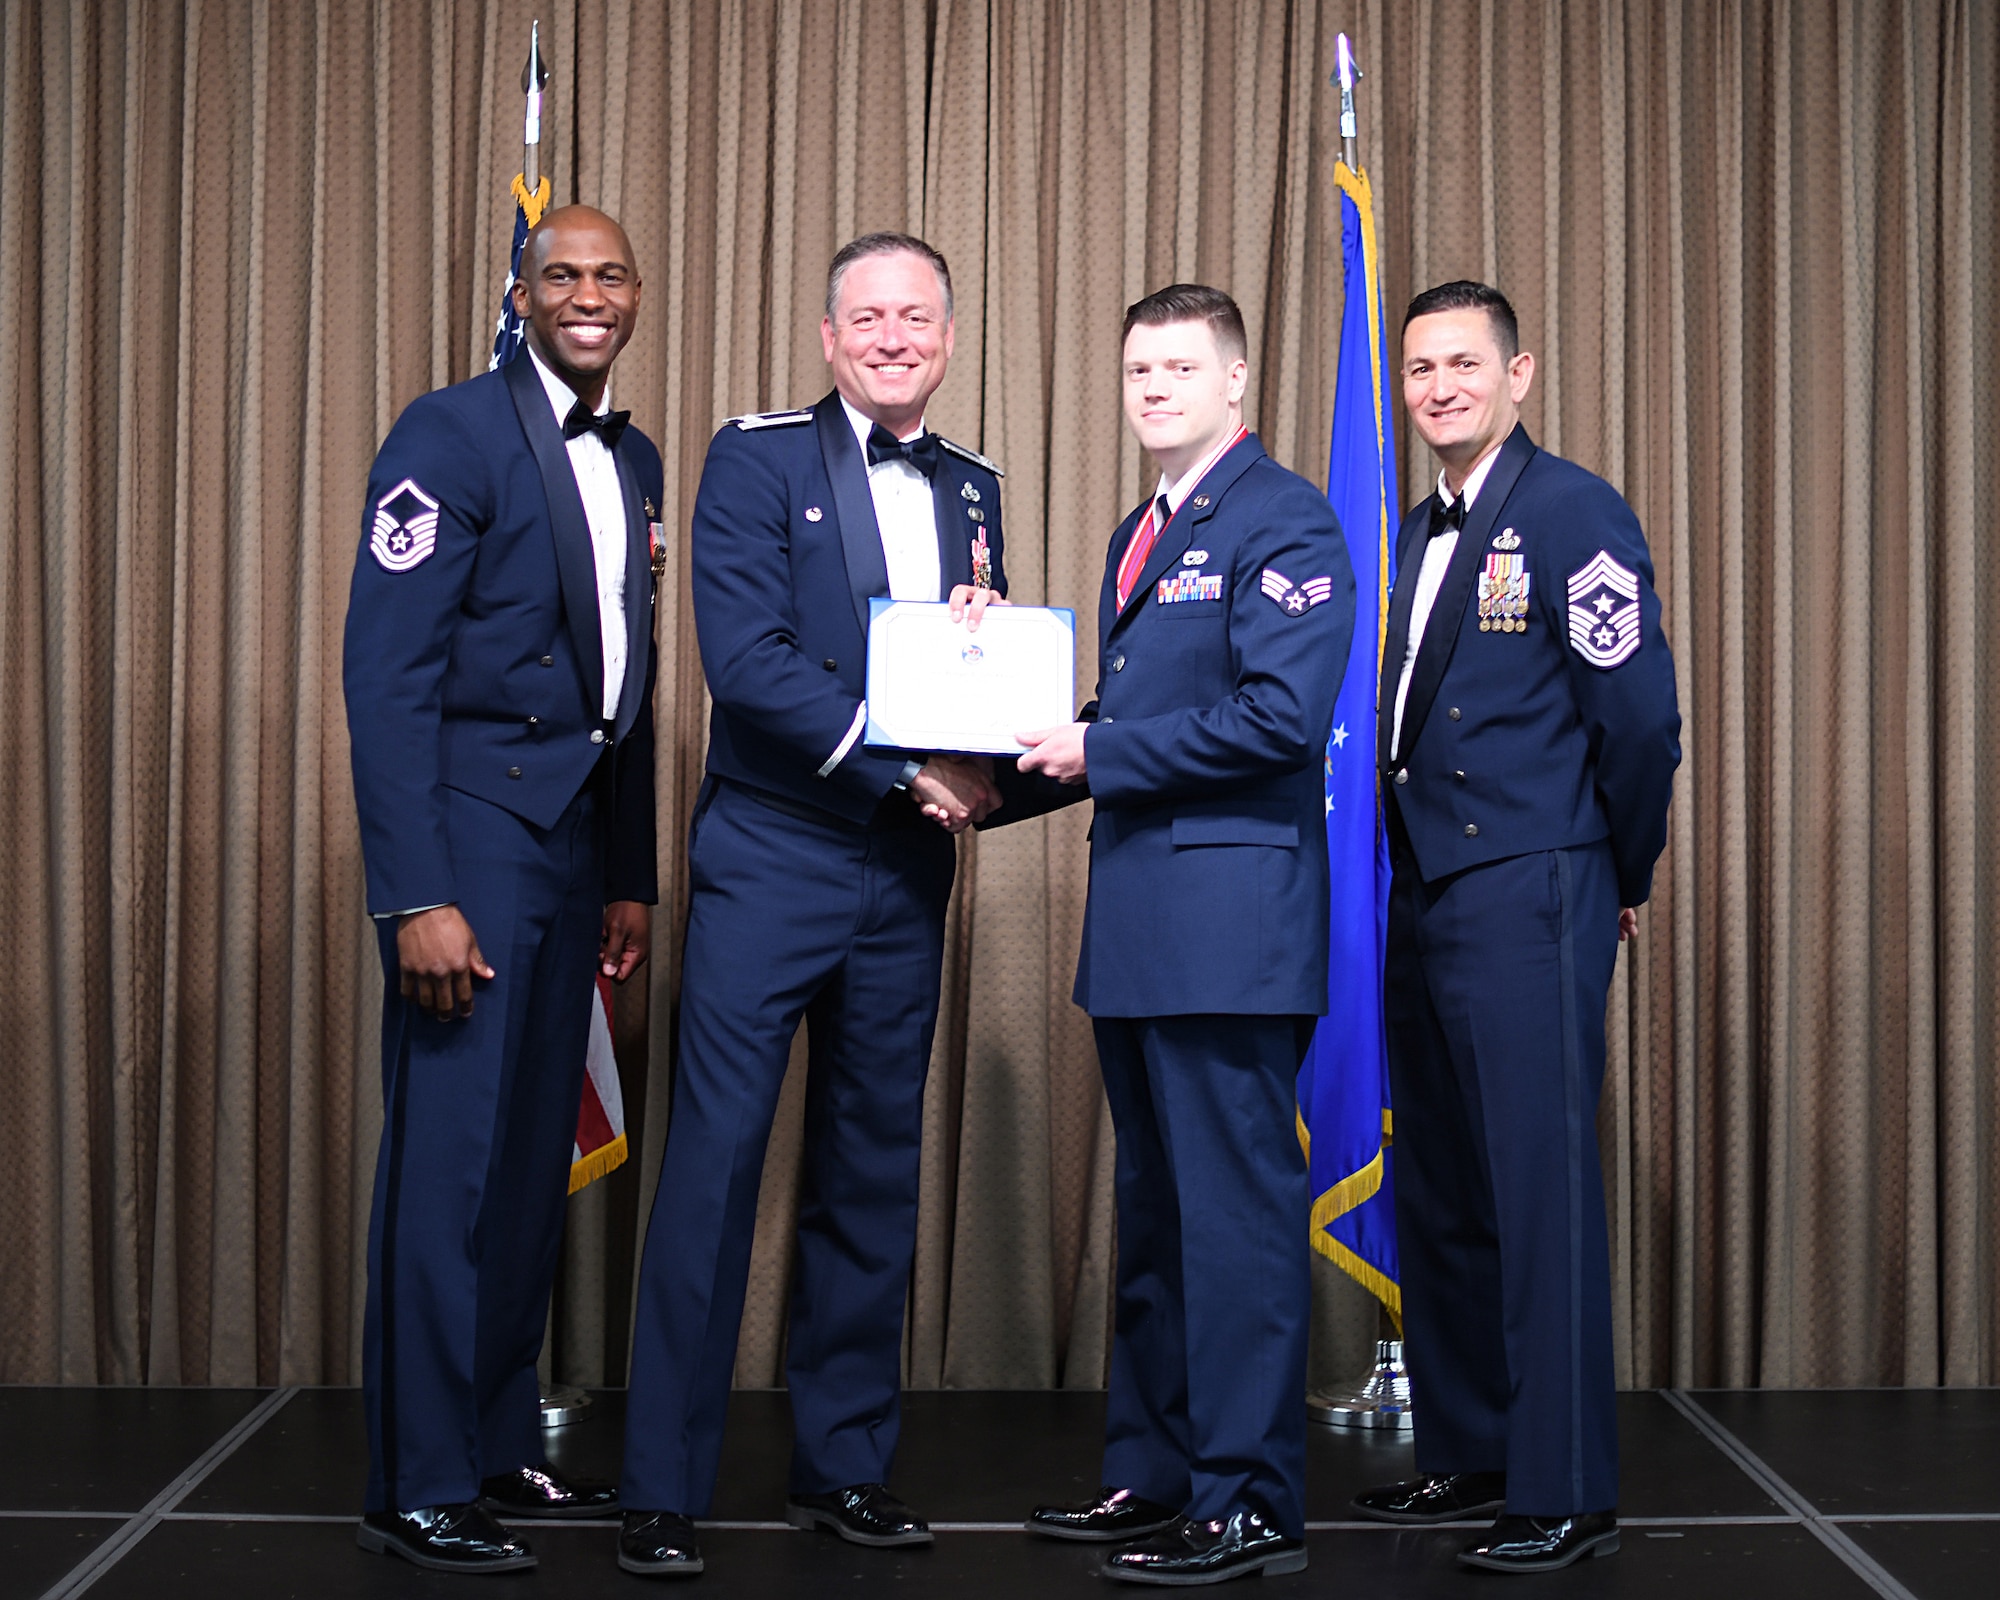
1295 600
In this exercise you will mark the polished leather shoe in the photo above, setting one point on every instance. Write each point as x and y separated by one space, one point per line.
445 1539
862 1513
658 1544
1113 1517
1542 1544
539 1492
1441 1497
1209 1552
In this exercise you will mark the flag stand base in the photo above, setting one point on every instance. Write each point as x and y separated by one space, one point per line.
1382 1400
563 1404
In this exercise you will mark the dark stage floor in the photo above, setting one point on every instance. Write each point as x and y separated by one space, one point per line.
178 1493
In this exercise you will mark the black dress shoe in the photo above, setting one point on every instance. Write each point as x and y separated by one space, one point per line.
659 1544
445 1539
862 1513
1209 1552
1542 1544
1114 1516
1441 1497
538 1492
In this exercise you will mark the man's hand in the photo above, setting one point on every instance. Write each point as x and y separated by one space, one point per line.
1628 924
970 603
627 939
956 791
1058 751
440 958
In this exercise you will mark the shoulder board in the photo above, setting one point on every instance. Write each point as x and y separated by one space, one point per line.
973 456
772 419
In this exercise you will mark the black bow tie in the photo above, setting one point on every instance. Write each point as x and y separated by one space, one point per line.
921 452
1447 516
610 427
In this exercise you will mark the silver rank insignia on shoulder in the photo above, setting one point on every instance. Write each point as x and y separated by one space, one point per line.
1604 611
406 521
973 456
813 513
1294 599
1194 558
966 491
772 419
1503 594
1506 539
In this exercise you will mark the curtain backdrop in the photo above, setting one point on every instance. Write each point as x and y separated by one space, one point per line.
1751 244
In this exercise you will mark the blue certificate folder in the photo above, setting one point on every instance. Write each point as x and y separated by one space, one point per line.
932 685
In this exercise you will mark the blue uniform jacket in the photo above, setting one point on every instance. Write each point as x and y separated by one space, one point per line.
786 556
473 655
1217 680
1561 732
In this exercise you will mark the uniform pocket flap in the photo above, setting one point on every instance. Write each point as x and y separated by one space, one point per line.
1237 827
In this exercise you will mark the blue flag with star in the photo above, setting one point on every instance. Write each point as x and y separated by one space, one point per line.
1343 1088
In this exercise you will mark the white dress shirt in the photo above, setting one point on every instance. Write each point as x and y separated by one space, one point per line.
1430 578
596 473
904 516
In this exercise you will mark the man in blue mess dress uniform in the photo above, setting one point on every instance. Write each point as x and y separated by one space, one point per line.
499 673
819 869
1224 625
1527 758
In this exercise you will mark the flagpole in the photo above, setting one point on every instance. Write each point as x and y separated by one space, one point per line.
1382 1398
534 79
1345 77
561 1403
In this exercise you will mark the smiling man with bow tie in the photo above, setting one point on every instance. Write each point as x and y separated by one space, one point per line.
499 675
1527 748
820 872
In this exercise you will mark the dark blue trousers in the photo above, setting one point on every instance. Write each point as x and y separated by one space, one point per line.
1208 1364
479 1120
790 917
1496 982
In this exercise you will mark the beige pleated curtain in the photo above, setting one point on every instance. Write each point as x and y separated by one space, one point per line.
1752 244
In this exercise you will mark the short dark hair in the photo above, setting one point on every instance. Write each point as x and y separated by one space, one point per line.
1465 295
883 243
1193 302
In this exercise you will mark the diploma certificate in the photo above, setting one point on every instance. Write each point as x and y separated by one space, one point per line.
934 685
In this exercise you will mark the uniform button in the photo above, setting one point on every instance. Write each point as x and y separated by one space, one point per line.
1453 713
1472 830
830 664
1107 720
548 661
513 772
1117 663
1402 774
534 722
597 736
1460 776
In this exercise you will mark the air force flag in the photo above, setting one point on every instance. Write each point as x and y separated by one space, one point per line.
1343 1088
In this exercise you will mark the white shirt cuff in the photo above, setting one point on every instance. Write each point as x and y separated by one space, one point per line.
853 732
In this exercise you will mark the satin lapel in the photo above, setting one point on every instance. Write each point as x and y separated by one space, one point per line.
1448 614
1179 534
1396 637
638 598
853 505
576 563
955 530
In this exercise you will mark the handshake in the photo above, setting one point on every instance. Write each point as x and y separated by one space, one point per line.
956 791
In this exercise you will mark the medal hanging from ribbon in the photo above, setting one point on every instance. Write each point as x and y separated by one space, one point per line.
1503 595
